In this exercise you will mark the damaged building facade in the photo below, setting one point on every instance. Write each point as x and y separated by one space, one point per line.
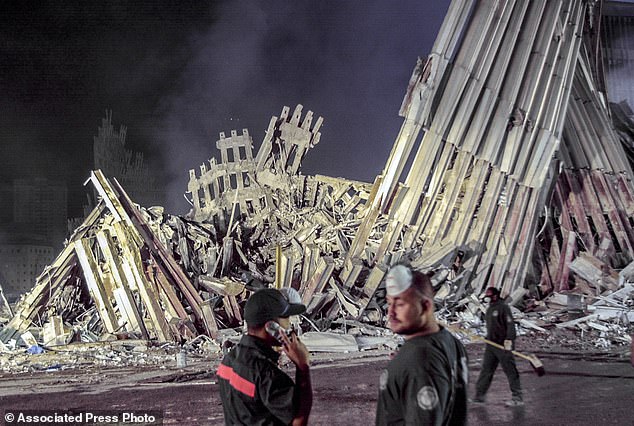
32 225
115 159
507 171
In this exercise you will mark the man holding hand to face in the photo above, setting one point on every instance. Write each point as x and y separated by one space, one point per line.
254 391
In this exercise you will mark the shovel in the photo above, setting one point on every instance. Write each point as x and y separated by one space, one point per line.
537 365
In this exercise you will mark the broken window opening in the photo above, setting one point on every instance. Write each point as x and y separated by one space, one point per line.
575 228
292 153
441 191
250 208
200 194
237 214
481 197
542 236
615 240
245 180
452 161
221 185
98 254
419 205
423 236
452 218
233 181
557 230
593 230
470 169
263 202
229 155
242 153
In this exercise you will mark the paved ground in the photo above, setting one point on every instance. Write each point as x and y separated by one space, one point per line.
578 389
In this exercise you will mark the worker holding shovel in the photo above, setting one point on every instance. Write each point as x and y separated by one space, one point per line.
501 330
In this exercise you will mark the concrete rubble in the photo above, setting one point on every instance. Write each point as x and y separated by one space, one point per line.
517 178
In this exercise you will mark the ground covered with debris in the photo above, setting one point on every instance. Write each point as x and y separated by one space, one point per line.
521 183
345 386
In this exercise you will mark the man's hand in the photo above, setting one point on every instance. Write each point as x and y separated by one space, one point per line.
508 345
296 350
303 396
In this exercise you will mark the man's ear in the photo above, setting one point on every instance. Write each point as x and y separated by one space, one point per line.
425 303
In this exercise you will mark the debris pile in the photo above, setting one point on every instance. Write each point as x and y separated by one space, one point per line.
567 319
133 272
517 179
112 353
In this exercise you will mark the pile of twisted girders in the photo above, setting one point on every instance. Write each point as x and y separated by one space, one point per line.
517 179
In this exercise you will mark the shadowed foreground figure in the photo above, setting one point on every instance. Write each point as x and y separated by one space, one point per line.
500 329
254 391
426 382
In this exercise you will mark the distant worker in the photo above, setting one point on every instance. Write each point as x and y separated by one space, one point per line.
426 382
253 390
501 330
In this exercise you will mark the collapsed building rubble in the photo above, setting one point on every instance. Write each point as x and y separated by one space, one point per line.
516 179
139 272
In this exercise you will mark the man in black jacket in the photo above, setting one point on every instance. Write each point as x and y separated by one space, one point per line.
254 391
500 329
426 382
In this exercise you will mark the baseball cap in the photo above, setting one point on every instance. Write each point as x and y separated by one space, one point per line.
399 278
267 304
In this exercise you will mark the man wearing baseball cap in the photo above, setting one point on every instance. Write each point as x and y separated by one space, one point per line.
426 382
254 391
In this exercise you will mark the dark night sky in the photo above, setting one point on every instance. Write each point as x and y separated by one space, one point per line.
178 73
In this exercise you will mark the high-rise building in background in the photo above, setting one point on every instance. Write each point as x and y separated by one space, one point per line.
34 211
20 264
41 205
32 228
129 168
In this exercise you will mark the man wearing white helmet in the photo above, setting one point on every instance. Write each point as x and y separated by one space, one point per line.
426 382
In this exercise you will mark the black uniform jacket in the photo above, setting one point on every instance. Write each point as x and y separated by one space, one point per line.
499 321
254 391
425 384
